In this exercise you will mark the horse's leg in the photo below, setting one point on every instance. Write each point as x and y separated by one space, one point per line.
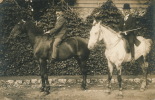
83 68
144 66
119 78
110 72
44 76
84 72
47 88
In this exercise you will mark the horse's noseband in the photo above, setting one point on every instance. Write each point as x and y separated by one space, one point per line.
99 33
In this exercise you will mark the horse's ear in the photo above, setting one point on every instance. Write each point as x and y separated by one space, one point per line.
94 22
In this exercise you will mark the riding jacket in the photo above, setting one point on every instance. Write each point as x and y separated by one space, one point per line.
59 30
129 24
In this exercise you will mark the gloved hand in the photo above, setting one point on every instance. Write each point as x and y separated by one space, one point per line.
122 33
47 32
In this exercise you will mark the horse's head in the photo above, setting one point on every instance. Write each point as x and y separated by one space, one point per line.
29 27
17 29
94 34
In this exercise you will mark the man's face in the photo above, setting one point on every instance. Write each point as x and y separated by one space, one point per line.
126 11
58 13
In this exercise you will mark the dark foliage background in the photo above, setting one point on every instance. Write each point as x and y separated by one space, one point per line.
16 56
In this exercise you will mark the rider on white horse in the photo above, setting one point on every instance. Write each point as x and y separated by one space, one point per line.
128 23
116 54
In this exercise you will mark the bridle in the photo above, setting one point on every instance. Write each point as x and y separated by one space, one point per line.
119 38
99 31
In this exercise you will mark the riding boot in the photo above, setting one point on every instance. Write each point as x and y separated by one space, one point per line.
54 55
132 54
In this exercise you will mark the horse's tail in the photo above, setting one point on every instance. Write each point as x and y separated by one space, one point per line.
148 43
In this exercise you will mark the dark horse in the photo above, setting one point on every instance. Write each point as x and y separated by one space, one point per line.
42 47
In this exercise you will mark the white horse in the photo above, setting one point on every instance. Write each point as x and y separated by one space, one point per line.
116 54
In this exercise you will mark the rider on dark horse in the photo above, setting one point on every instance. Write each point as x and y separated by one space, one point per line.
59 31
129 23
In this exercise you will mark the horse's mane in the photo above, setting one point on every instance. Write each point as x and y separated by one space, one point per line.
33 28
109 28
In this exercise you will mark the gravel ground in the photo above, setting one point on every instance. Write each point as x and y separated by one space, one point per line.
74 92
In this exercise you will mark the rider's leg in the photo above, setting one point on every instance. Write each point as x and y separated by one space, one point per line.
131 44
55 48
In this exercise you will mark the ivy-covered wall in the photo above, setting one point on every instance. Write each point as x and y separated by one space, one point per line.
16 55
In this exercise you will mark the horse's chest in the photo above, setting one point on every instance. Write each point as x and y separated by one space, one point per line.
110 54
114 55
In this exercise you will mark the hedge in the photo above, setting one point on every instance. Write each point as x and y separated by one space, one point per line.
16 55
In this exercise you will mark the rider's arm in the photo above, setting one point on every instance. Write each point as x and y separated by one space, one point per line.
58 26
132 25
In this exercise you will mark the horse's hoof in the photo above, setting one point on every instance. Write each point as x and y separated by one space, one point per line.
142 89
83 87
108 91
143 86
46 93
47 88
42 89
120 95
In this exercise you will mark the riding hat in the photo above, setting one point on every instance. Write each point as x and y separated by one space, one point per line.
126 6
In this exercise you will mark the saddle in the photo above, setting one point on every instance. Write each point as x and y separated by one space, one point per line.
53 39
127 46
137 42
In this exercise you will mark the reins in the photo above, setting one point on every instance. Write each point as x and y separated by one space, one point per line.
119 38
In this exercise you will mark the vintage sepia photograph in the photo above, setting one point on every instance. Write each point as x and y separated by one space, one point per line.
77 49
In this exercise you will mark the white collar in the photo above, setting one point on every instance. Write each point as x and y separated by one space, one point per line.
127 15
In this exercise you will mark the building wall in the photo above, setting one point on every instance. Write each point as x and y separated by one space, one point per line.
85 7
118 3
